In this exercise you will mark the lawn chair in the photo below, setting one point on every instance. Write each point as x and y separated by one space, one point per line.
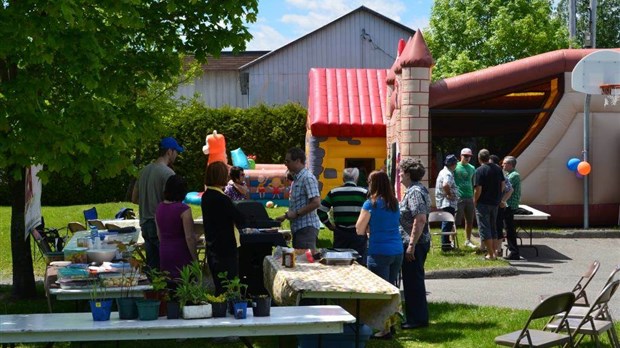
97 223
90 214
75 226
442 216
548 308
49 242
593 324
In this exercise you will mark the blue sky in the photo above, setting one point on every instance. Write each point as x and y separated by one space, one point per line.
282 21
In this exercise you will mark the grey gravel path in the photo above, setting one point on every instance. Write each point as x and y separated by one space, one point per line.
558 267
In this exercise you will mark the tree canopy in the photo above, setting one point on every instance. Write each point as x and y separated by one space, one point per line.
468 35
607 22
73 79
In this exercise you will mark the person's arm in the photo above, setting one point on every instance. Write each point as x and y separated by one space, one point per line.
241 188
157 229
313 204
361 225
188 229
416 232
505 197
446 189
477 193
323 212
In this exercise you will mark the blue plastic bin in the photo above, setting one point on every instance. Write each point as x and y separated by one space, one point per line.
342 340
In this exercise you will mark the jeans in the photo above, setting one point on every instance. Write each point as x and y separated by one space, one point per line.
151 244
385 266
511 232
416 306
447 227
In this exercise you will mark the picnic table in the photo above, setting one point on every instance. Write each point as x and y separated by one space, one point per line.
80 327
522 220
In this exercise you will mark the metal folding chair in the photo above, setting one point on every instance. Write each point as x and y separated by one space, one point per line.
442 216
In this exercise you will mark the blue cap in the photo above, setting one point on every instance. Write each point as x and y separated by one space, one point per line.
170 143
450 160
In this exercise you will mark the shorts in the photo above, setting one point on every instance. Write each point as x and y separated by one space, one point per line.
465 209
305 238
486 216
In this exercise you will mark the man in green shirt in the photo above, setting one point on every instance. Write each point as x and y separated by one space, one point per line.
512 204
463 175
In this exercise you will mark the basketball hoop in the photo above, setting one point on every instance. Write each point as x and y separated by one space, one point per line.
611 92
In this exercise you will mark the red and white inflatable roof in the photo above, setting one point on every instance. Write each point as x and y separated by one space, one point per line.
347 102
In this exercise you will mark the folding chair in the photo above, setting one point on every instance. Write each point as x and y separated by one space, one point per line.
548 308
593 324
90 214
111 227
49 243
97 223
580 288
75 226
580 311
442 216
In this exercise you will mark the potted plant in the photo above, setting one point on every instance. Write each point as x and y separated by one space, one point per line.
100 305
192 293
126 303
261 305
235 294
159 282
219 305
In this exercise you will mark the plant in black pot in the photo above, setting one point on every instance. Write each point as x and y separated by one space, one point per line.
126 303
192 293
261 305
235 292
219 305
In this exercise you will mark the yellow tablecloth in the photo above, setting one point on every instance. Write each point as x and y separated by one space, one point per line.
378 298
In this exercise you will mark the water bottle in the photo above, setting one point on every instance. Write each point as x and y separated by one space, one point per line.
94 233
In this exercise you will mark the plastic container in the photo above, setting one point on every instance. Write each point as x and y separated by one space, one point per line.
342 340
94 233
76 255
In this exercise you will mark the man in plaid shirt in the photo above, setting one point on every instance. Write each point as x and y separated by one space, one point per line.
303 202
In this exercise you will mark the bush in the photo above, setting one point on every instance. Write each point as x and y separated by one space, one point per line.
267 132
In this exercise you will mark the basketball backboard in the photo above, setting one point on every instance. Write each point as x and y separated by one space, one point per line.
596 69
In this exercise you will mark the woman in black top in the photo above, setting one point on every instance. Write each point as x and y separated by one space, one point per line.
220 216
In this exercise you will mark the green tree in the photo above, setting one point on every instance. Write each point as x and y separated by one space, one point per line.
607 22
74 78
468 35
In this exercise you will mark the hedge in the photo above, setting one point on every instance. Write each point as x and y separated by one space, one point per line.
266 132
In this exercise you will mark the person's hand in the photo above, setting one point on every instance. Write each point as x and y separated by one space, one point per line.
502 204
281 218
409 254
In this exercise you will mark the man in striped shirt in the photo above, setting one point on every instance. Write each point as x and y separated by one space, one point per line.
346 203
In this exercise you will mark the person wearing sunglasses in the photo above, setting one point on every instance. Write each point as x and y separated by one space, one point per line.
463 175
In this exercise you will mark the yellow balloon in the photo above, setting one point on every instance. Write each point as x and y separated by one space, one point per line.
584 168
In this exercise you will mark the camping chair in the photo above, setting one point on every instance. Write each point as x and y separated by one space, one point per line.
97 223
526 337
580 311
593 324
49 243
90 214
75 226
442 216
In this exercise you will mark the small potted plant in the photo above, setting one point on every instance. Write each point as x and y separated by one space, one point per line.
126 303
219 305
100 304
235 294
192 293
159 282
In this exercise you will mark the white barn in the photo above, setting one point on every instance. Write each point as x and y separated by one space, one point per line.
362 38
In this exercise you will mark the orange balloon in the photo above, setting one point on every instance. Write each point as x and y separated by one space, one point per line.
584 168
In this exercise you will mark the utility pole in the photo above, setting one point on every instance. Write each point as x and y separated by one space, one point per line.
572 30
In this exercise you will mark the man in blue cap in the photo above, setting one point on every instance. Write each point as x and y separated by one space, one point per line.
446 197
148 192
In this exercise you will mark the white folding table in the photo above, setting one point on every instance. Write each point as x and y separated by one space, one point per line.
536 215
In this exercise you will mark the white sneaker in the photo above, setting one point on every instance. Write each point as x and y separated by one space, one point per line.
469 244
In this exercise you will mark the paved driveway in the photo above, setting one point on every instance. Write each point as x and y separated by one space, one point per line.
558 267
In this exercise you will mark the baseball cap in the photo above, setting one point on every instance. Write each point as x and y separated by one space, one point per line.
450 160
466 151
170 143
